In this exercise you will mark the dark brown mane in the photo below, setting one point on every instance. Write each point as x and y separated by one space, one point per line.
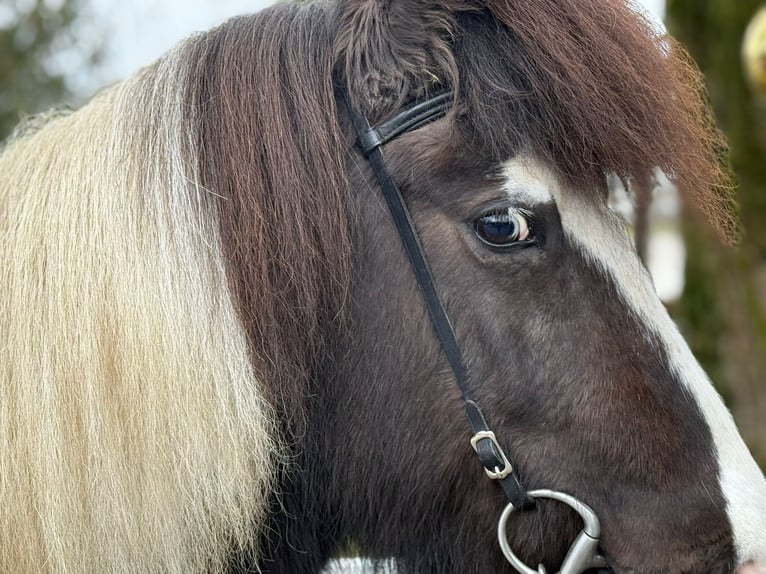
272 148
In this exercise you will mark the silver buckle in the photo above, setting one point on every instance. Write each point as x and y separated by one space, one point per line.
583 554
497 473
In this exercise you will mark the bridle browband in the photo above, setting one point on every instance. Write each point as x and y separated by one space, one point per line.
582 555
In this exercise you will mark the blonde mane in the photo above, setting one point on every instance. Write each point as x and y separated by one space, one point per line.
133 432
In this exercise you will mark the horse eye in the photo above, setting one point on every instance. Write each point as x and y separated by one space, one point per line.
502 228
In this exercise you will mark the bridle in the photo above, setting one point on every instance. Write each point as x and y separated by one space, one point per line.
583 554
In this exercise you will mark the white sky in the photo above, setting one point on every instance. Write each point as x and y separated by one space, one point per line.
139 31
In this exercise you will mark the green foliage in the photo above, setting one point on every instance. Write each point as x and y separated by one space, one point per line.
33 33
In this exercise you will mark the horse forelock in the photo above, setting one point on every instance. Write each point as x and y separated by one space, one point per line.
590 85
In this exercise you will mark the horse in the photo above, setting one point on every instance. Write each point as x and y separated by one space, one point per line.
251 292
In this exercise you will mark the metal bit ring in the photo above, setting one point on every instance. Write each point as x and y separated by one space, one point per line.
583 554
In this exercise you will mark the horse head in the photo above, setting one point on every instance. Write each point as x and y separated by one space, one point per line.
576 364
216 354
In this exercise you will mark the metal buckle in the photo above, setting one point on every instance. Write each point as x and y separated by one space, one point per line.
498 473
583 554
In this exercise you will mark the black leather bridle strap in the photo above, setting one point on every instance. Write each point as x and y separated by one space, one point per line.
410 119
370 141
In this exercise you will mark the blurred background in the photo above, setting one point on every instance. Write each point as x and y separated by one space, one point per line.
60 52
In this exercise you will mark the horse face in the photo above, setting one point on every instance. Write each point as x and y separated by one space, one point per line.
573 359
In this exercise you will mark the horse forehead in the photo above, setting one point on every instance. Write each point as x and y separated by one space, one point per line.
598 234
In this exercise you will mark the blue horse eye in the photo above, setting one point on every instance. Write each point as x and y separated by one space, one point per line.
501 228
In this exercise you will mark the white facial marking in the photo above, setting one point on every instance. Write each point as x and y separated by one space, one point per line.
525 183
602 239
